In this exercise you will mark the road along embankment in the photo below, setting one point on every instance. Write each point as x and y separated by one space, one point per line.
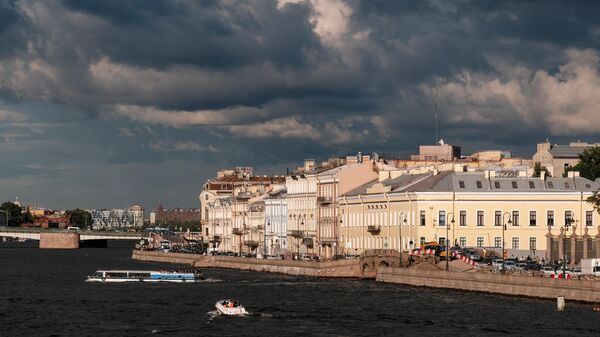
340 268
541 287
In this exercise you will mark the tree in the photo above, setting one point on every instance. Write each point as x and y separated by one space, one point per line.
538 168
589 164
15 214
80 218
595 200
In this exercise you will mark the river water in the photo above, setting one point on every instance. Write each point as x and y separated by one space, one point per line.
43 293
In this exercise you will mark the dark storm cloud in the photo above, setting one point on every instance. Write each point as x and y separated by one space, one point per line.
140 89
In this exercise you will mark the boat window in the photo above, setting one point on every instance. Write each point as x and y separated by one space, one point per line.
97 274
116 274
139 275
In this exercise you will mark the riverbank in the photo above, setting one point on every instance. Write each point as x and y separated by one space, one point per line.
529 286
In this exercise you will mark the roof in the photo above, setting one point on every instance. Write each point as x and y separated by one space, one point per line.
449 181
566 151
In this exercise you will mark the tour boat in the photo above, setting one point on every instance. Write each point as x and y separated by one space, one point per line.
145 276
230 308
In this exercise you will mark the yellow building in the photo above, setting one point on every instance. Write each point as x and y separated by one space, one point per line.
470 209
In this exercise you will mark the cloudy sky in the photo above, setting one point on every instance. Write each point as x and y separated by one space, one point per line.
111 103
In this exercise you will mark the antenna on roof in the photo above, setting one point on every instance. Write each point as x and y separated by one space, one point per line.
435 116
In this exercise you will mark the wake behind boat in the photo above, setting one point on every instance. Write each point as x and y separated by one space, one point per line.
230 308
145 276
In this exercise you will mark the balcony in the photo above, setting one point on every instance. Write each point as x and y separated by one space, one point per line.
324 200
237 231
252 244
297 234
374 230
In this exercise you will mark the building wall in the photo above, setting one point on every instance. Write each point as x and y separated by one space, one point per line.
276 230
375 210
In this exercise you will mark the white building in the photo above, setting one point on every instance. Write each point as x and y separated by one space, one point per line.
276 217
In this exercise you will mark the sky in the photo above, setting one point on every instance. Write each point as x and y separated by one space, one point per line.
113 103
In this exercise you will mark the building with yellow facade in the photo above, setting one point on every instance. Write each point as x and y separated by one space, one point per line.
473 209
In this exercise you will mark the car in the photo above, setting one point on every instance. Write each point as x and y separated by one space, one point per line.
510 265
575 271
497 263
521 266
474 256
548 270
533 266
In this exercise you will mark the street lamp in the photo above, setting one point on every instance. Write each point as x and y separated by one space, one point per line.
265 239
447 240
504 229
400 223
566 229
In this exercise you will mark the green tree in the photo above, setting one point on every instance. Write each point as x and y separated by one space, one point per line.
589 164
595 200
538 168
15 214
80 218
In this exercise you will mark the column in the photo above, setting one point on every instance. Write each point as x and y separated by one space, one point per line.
548 244
561 244
573 246
585 243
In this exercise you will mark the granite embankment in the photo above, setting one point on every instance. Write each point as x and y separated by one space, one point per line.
373 266
341 268
515 285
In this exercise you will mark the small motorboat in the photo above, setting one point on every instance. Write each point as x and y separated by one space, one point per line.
230 308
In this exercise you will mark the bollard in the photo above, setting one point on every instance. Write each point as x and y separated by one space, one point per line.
560 303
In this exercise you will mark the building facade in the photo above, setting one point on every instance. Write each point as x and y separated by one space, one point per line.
276 218
470 209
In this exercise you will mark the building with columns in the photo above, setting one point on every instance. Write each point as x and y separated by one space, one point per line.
276 218
473 209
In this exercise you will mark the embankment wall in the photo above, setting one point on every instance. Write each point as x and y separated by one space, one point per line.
63 240
541 287
341 268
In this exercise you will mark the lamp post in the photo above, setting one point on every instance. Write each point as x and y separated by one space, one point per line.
567 225
1 210
504 229
265 239
400 223
300 238
448 240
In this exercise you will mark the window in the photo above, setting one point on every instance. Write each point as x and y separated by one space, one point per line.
497 241
480 218
442 218
461 184
568 218
567 184
422 240
532 218
589 218
550 184
206 231
498 218
422 219
588 186
478 183
497 184
550 217
531 184
480 241
532 243
442 241
463 241
514 184
515 218
462 219
515 243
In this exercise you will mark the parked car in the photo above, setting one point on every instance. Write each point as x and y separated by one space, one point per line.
533 266
548 270
510 265
575 271
521 266
497 263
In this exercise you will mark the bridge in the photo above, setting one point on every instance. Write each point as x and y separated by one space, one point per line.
65 239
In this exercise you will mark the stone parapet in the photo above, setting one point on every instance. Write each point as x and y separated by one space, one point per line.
541 287
59 240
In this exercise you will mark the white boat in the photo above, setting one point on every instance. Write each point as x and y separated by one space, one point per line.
230 308
144 276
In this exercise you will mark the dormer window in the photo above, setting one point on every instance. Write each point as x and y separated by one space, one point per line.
567 184
461 184
514 184
479 185
497 184
531 184
550 184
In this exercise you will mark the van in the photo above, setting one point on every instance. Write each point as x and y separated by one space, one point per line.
73 229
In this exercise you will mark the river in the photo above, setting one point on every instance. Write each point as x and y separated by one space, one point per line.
43 293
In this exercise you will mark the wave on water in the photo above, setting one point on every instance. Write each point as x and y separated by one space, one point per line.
210 280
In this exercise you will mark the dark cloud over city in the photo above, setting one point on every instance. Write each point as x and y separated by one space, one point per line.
108 103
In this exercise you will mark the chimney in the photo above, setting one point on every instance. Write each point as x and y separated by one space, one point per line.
543 175
359 157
